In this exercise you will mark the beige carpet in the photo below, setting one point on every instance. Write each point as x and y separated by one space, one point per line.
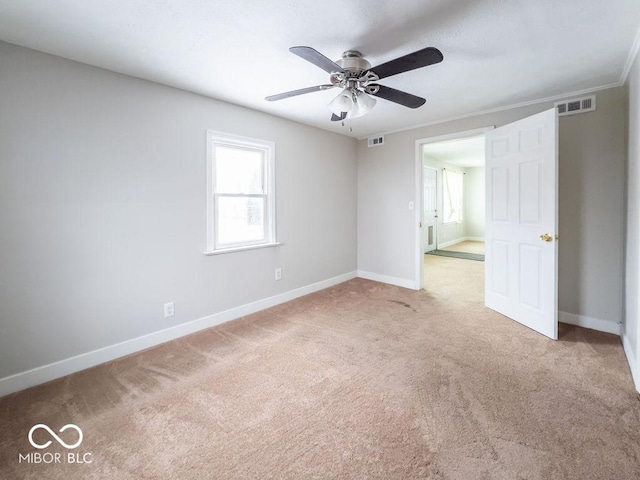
359 381
468 246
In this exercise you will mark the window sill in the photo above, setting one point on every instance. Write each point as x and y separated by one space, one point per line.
241 249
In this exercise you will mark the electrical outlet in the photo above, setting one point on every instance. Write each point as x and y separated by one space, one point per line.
278 274
169 310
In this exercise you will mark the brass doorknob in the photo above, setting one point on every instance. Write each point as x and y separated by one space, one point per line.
545 237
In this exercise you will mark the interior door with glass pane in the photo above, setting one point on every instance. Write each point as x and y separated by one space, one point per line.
429 182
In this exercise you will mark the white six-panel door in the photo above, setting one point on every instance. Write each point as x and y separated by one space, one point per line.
521 222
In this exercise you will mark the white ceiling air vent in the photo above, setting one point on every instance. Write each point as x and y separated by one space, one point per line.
376 141
576 105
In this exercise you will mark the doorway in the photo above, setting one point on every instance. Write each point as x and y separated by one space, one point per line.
445 236
453 197
521 193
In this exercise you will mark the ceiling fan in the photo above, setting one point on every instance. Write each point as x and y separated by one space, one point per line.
357 79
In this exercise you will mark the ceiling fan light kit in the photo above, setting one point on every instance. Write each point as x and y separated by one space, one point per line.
355 76
362 105
344 102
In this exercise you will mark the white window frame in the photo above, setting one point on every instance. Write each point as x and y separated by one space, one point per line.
268 151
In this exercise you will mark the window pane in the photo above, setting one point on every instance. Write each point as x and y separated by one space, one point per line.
240 219
238 170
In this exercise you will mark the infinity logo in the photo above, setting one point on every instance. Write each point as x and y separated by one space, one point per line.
60 441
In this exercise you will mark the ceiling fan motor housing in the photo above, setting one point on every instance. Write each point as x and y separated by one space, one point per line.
356 74
353 63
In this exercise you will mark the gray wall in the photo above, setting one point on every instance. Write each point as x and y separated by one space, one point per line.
102 208
631 333
591 263
591 203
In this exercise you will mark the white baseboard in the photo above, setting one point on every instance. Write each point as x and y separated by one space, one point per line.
607 327
450 242
633 362
459 240
377 277
589 322
45 373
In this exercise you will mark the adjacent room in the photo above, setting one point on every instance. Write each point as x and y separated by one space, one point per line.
453 185
320 240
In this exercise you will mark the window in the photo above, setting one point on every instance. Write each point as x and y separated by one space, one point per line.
240 192
452 200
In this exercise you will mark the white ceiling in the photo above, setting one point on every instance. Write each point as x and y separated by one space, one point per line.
496 52
465 152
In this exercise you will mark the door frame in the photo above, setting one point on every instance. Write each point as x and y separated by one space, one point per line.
418 212
422 206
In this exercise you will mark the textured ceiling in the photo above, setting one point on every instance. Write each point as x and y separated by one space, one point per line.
465 152
496 52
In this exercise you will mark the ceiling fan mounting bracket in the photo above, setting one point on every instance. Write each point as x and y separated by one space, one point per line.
372 89
352 80
338 79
